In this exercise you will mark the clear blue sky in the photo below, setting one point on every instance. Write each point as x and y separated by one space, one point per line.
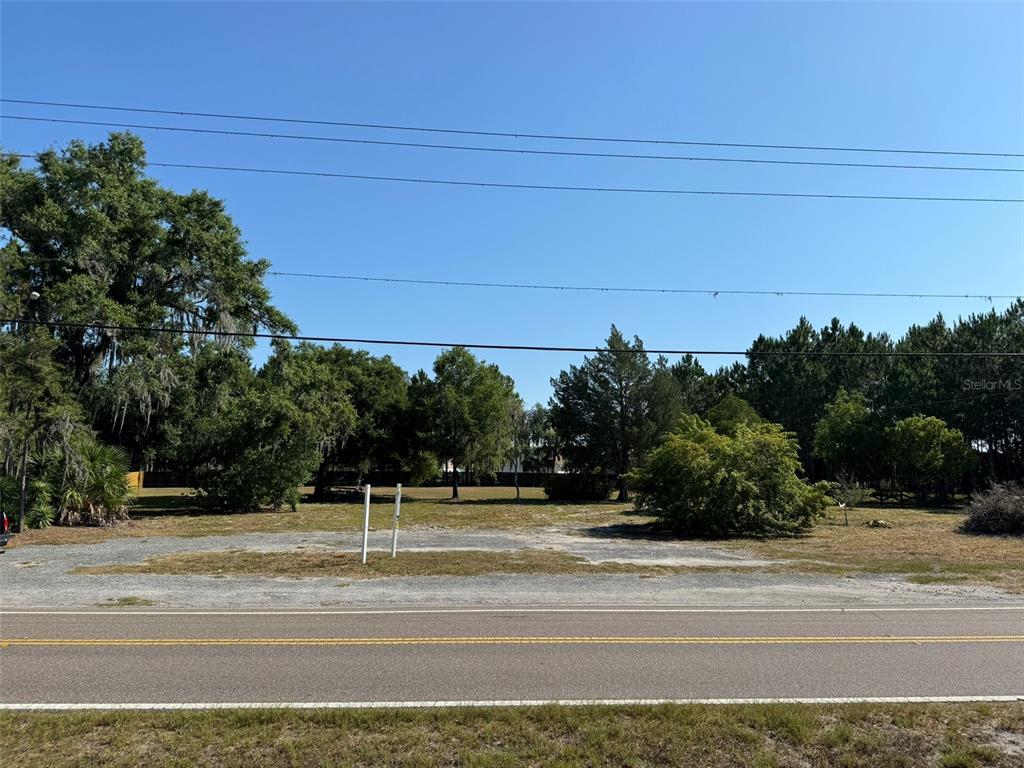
923 75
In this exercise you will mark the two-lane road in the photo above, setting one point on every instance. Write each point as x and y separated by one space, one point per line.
472 655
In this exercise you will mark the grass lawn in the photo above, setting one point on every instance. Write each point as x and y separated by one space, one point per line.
173 512
852 736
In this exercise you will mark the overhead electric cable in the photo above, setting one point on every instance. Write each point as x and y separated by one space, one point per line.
504 134
578 188
507 150
711 292
511 347
628 289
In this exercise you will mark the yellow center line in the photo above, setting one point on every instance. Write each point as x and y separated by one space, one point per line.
510 640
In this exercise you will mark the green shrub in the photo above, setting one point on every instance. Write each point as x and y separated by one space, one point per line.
578 486
998 510
83 483
40 512
267 472
258 448
257 444
702 483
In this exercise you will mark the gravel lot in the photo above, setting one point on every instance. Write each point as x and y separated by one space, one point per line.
39 576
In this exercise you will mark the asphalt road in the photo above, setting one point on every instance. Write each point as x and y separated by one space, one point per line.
163 657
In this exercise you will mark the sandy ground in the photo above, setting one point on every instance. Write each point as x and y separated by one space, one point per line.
39 576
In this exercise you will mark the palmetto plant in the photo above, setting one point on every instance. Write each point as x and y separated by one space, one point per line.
82 486
40 513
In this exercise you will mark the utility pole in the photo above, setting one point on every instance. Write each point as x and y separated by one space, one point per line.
23 487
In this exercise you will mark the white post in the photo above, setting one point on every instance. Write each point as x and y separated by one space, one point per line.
366 521
394 523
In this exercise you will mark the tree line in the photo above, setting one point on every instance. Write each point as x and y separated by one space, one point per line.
89 240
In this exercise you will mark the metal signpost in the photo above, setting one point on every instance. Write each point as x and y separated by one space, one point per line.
394 522
366 521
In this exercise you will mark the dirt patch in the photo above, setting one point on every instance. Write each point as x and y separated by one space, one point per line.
1010 743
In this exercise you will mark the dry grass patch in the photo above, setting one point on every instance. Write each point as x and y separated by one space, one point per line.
852 736
348 565
173 512
928 547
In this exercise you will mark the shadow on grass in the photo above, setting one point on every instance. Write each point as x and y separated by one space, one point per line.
630 531
175 504
931 507
882 507
171 505
355 496
178 505
351 496
942 510
522 502
656 531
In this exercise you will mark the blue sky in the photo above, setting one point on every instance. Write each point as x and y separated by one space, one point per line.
921 75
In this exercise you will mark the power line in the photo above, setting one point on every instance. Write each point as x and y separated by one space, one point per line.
511 347
505 134
559 188
506 150
712 292
621 289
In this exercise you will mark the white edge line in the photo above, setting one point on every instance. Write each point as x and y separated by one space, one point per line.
508 609
504 703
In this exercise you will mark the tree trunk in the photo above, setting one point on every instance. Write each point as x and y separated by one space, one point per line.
320 488
455 480
517 481
623 489
23 491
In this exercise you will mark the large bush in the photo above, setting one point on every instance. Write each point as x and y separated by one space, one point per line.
703 483
264 449
578 486
263 438
999 510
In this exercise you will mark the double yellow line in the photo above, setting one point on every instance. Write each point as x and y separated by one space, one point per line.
509 640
